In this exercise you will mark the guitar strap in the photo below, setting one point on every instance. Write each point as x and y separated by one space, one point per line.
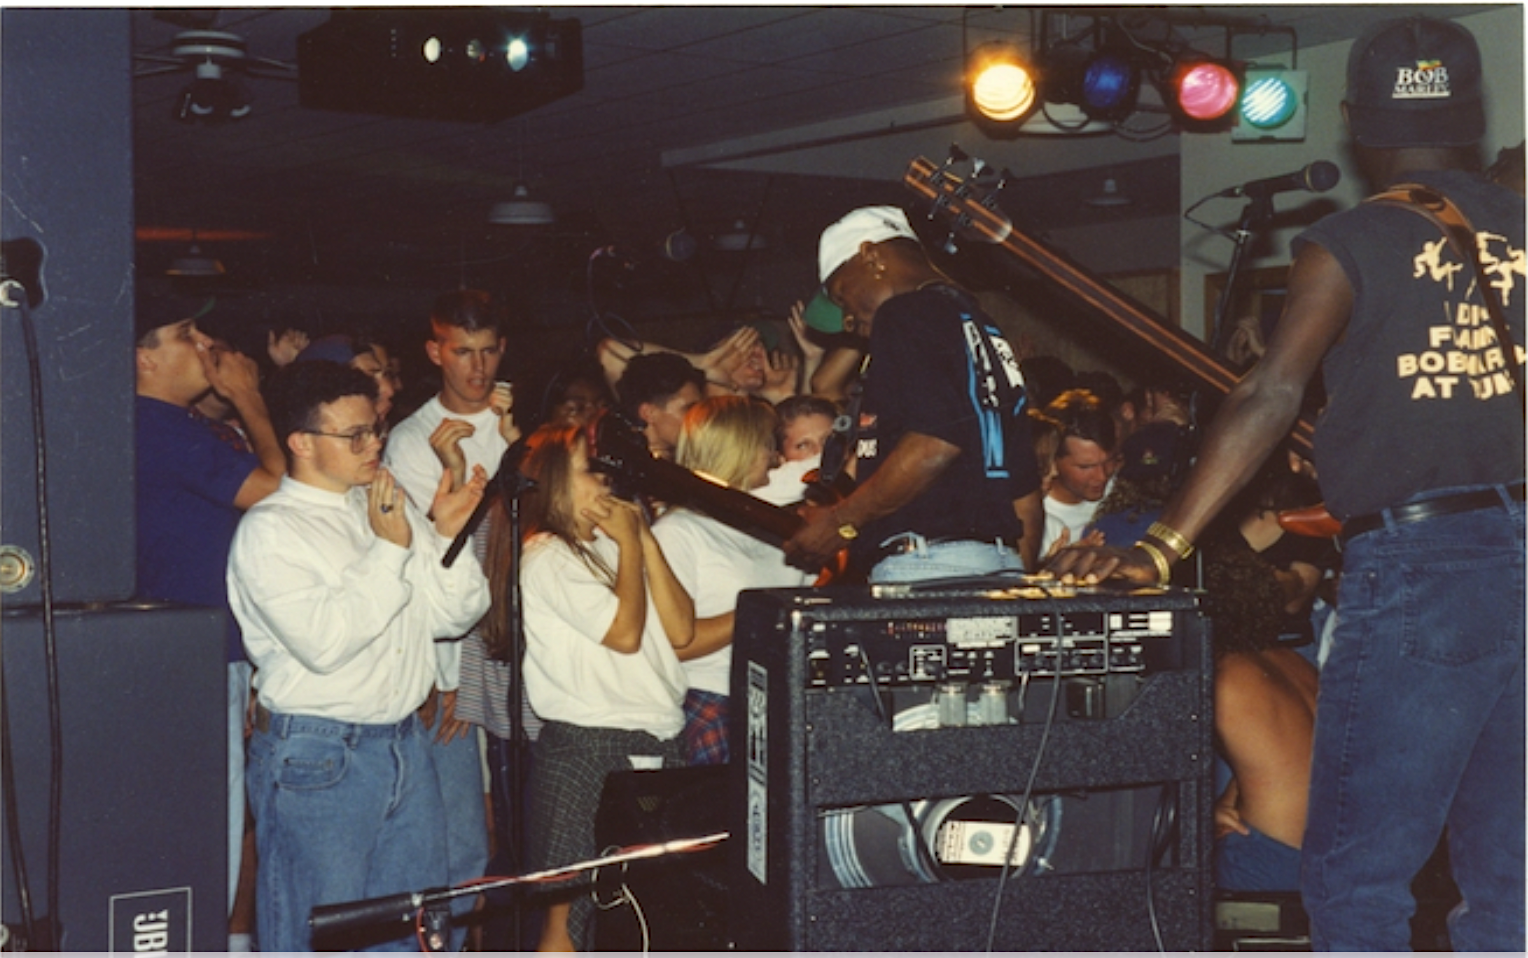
1441 211
841 442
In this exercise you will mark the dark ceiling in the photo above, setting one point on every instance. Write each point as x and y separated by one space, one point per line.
348 199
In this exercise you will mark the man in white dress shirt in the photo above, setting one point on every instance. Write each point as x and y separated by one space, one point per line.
337 582
467 425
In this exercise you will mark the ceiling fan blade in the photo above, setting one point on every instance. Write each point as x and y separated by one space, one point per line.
192 19
255 66
160 67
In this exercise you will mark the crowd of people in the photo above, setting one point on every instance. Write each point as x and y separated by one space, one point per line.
1368 689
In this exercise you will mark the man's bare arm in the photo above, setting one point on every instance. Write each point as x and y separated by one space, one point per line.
911 468
1253 420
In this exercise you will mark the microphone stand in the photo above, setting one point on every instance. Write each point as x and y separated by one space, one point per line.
1255 215
509 486
511 491
327 920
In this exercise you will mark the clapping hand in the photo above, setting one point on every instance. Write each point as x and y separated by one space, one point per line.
386 511
455 502
446 442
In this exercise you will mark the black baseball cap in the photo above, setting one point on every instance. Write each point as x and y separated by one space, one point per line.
157 305
1415 82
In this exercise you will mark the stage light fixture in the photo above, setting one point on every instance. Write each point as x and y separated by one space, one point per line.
517 53
1110 84
1272 105
1203 91
467 64
1000 87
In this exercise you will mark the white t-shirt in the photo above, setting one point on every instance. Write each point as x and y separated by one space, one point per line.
416 467
569 675
714 562
1074 518
784 486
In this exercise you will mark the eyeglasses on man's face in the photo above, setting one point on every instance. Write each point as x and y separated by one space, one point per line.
359 437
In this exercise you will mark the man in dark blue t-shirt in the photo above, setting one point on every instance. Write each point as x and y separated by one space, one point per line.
948 484
1420 722
192 487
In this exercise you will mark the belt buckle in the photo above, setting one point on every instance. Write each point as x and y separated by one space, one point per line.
903 543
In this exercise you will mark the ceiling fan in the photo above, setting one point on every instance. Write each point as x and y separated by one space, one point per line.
216 57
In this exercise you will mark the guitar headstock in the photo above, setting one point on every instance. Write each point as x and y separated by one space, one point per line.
963 196
618 448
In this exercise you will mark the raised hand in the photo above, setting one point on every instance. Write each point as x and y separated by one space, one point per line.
780 376
385 510
503 404
284 348
812 352
233 374
454 502
446 442
618 519
730 355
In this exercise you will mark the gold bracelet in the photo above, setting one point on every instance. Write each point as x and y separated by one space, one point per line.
1164 568
1172 538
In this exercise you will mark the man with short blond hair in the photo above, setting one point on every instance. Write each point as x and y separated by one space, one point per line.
467 425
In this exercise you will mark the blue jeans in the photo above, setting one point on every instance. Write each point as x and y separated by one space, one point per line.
342 812
1420 725
926 561
1255 863
238 706
459 768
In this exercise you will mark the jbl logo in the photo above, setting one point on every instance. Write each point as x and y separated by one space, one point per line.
151 923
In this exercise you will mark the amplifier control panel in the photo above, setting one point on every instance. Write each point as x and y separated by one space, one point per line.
991 647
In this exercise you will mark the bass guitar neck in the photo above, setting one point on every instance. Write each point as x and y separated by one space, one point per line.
971 210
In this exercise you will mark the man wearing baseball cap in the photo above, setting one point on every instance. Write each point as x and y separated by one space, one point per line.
192 487
1420 722
948 485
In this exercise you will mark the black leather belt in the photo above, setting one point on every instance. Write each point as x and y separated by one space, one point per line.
1430 508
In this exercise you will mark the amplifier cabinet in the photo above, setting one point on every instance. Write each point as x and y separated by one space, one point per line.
885 741
143 852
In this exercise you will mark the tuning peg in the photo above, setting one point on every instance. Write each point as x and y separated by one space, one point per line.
957 155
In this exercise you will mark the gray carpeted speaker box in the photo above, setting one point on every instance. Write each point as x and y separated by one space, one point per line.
1125 771
143 855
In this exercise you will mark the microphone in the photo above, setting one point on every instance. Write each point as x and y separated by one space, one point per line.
1319 177
506 482
326 920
